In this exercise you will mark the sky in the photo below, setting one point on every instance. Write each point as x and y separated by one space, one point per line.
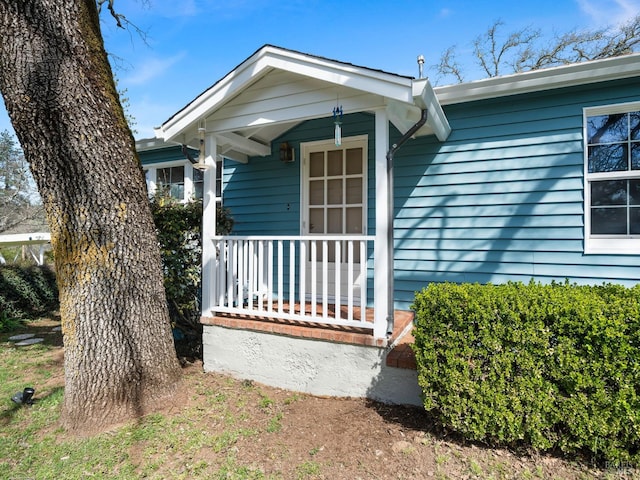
189 45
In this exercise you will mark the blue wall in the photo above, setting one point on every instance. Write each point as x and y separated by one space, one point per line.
501 199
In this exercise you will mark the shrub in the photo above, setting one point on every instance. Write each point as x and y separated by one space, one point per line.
26 292
178 226
546 366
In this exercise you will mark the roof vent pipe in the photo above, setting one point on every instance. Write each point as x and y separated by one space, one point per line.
420 66
390 155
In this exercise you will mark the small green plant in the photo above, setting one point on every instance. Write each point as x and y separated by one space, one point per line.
314 451
275 423
307 469
474 468
292 399
265 402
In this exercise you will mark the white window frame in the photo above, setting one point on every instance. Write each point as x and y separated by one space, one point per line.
603 244
189 189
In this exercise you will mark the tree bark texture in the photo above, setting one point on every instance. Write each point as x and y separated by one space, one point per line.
59 91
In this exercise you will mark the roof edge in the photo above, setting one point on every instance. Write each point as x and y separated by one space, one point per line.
615 68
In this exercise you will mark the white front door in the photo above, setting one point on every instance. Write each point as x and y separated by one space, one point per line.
334 203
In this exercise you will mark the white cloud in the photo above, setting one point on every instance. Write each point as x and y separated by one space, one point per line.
151 68
609 12
445 12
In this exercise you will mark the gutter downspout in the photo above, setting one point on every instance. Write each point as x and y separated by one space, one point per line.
390 212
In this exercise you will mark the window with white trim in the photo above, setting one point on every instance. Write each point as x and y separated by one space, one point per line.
180 180
612 179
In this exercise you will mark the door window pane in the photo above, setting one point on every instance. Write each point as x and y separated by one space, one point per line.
334 191
354 191
316 192
334 163
334 220
316 164
354 220
316 220
354 161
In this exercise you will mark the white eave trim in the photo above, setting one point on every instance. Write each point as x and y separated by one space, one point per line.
268 58
626 66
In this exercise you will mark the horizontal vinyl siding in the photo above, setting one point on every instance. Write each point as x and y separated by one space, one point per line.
159 155
502 198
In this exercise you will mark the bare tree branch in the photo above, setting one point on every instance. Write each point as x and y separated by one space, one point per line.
523 50
448 64
121 20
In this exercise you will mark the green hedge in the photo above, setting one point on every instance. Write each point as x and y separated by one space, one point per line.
26 292
545 366
179 230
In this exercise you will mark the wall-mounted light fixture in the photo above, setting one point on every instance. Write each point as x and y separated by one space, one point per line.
287 153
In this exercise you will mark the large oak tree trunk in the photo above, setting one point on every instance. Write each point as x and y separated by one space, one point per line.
59 90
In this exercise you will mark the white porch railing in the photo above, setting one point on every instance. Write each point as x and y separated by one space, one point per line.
26 241
309 278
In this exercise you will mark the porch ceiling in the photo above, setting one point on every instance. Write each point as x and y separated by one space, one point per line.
276 89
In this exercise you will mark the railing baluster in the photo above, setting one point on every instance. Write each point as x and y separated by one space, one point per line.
363 281
350 284
250 277
314 278
280 292
292 277
229 245
338 266
221 272
325 278
260 275
303 276
269 275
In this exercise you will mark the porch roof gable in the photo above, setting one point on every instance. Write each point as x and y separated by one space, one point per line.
275 88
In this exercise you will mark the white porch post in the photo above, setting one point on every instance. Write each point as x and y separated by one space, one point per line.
209 220
383 272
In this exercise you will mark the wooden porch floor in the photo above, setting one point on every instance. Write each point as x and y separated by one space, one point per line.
403 321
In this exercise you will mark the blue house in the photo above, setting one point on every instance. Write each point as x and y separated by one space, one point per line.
352 188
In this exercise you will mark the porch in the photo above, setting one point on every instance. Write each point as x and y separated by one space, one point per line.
314 281
316 358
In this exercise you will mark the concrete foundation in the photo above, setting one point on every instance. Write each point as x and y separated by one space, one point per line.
307 365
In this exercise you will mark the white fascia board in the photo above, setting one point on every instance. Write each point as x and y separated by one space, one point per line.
212 98
425 98
371 81
626 66
145 144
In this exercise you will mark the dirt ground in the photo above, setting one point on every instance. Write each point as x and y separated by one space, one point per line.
289 435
